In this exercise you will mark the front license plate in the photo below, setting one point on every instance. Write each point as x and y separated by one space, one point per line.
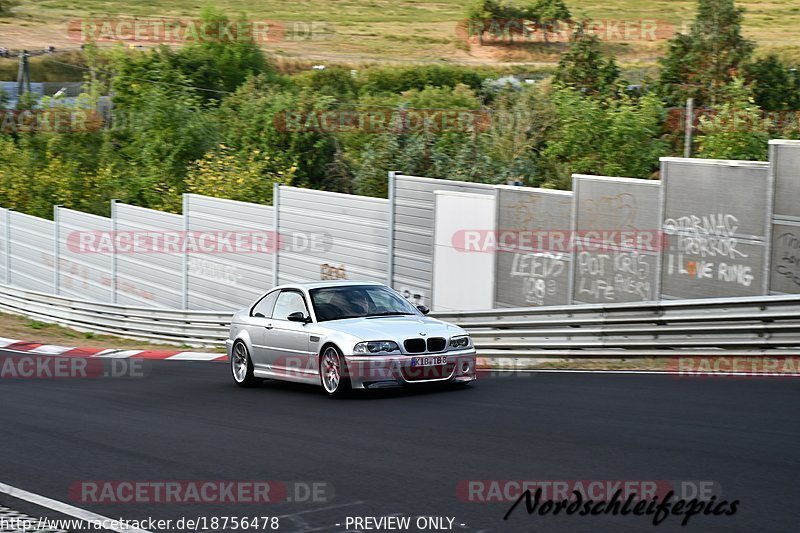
429 361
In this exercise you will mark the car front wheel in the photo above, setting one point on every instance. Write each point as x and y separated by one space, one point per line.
333 371
242 366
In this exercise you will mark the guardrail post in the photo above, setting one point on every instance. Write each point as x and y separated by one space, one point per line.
56 251
276 205
114 251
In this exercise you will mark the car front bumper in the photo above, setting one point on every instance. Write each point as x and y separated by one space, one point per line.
378 371
229 348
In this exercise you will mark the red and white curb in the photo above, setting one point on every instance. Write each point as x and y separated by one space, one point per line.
71 351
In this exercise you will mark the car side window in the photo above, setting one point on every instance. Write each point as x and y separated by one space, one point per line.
265 306
289 302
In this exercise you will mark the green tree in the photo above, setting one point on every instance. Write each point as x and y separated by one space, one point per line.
584 67
702 64
5 7
737 129
521 123
275 121
211 67
383 80
775 86
549 13
224 174
160 134
615 136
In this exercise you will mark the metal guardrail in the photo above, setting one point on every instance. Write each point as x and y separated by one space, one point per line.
753 326
140 323
762 325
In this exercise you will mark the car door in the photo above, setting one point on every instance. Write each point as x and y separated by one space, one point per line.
261 330
289 355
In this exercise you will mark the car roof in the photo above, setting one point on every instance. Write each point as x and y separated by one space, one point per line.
331 283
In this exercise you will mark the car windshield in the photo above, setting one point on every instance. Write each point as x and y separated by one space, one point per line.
358 301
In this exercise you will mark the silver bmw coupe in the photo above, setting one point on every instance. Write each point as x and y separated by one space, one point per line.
345 335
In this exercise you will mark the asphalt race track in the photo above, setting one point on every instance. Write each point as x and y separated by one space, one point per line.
406 453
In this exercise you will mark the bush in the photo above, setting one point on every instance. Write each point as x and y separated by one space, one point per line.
5 7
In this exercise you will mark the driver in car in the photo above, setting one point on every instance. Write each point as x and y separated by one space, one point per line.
360 303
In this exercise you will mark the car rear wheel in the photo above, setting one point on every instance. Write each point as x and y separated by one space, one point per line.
333 371
242 366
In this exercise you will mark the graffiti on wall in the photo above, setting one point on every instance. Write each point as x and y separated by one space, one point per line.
787 256
608 276
540 273
705 247
328 272
611 211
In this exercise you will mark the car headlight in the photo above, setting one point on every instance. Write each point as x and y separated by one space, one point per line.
462 341
376 347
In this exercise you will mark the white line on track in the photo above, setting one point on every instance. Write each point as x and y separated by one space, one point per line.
194 356
63 508
304 526
650 372
51 349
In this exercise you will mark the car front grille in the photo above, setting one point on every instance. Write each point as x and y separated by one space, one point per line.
414 345
436 344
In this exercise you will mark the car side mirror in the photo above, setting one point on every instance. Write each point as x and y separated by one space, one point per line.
259 315
423 309
298 316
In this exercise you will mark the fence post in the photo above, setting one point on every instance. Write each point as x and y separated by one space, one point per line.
276 204
114 251
56 251
390 270
185 277
689 127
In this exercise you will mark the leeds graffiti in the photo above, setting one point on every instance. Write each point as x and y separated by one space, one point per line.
539 273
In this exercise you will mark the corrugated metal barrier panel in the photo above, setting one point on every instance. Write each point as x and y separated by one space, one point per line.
150 270
32 248
85 250
222 279
328 235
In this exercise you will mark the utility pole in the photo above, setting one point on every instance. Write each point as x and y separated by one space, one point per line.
24 74
688 126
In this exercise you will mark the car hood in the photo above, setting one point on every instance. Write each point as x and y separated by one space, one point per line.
395 328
